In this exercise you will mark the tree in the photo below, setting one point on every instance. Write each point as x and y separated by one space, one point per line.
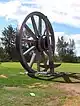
8 41
61 48
66 50
70 56
3 55
71 47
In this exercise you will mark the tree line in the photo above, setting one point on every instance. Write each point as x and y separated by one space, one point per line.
8 44
65 49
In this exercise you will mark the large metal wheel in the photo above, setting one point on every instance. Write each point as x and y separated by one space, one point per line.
35 43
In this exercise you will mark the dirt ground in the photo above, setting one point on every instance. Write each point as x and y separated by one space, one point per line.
73 90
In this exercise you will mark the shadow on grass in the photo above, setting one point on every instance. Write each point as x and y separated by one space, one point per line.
68 77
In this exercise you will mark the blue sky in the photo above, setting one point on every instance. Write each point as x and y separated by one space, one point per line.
63 15
68 29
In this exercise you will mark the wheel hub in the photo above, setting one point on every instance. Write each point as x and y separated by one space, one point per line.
41 43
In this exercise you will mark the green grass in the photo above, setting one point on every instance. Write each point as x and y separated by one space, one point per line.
69 67
12 71
16 88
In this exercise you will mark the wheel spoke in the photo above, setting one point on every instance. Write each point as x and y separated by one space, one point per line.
51 66
27 40
29 30
50 61
32 59
34 26
40 26
38 59
44 60
38 65
50 53
30 49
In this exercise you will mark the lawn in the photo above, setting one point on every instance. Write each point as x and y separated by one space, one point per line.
16 87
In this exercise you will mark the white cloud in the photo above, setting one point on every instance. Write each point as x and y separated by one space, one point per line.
9 8
17 9
60 11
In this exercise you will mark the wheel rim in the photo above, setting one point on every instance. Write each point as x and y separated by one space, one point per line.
36 44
